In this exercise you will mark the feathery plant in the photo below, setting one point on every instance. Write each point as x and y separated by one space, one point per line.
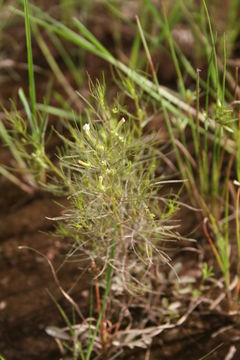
114 184
115 214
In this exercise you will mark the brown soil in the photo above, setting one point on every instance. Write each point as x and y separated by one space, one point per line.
26 308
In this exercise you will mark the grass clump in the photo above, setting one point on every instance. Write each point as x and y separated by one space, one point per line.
114 188
116 215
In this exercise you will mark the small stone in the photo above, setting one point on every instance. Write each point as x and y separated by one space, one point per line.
3 305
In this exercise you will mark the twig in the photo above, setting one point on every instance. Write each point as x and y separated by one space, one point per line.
213 247
65 294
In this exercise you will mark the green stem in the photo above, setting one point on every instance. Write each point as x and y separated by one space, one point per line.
32 91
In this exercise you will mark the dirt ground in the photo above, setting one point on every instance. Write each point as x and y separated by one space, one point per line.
26 308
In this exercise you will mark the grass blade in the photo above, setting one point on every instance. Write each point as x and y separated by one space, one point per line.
32 91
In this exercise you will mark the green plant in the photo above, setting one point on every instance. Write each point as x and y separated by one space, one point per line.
114 184
211 192
208 191
27 137
108 169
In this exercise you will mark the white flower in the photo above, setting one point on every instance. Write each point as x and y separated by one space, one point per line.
86 128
